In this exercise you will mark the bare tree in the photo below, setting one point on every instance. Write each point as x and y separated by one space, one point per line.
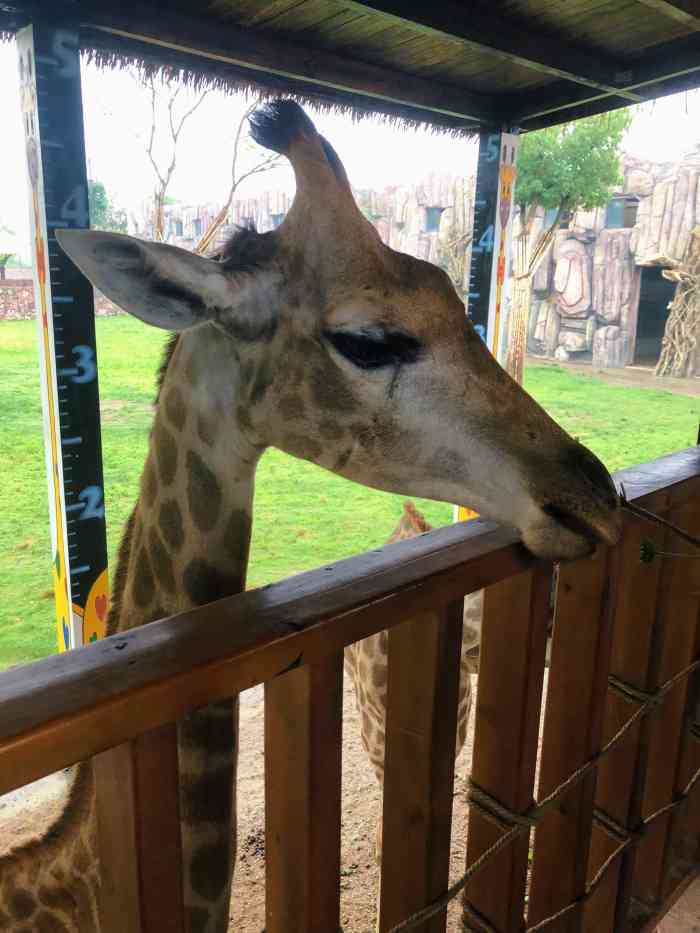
175 125
680 356
455 235
266 162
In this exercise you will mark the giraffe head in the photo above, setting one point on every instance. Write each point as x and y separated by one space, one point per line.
361 359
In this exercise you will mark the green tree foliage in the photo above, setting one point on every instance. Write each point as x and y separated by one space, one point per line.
563 168
103 214
573 166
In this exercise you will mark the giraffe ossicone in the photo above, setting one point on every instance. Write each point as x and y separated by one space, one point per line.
320 340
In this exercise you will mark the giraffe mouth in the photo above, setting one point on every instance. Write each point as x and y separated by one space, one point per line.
569 534
574 524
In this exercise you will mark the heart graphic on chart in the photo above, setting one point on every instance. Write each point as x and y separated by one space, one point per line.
101 607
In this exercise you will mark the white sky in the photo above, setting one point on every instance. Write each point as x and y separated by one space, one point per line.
117 118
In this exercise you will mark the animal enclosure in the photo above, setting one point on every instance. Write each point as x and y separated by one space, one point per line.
610 852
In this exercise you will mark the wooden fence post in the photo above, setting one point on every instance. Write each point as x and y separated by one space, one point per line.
303 752
138 816
511 670
655 636
421 730
576 693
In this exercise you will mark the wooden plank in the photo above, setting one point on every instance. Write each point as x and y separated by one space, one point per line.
421 727
599 908
683 847
552 55
635 613
680 599
664 69
576 692
138 818
66 709
511 669
83 703
686 12
266 53
303 751
642 657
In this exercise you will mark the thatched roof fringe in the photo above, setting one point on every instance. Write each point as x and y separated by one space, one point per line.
111 51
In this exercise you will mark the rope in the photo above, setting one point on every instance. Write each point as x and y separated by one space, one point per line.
516 824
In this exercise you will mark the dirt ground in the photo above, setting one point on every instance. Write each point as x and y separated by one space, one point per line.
631 377
361 806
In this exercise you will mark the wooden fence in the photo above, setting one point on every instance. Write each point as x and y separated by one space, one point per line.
609 851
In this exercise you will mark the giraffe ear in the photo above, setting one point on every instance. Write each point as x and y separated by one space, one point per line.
160 284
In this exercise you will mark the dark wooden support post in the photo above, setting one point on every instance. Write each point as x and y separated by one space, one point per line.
49 65
303 750
138 816
511 671
491 242
491 237
421 727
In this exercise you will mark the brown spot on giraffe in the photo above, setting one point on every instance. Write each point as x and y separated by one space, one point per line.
49 923
166 452
302 446
292 406
204 582
21 905
170 523
207 428
200 797
160 562
203 492
237 535
143 585
175 407
329 391
191 370
209 871
149 483
330 429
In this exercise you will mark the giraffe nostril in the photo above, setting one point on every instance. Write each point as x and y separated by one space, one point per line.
596 474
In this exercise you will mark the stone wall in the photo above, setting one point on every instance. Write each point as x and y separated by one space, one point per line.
585 298
431 220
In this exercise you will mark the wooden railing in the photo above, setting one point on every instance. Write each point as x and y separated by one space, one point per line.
623 628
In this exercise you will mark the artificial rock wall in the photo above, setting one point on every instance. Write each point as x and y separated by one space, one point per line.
585 296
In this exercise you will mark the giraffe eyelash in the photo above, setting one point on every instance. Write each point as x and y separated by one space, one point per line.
375 351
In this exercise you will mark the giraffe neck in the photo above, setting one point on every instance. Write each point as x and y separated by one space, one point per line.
190 532
189 545
186 544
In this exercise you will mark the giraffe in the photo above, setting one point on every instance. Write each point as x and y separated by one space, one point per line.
366 662
320 340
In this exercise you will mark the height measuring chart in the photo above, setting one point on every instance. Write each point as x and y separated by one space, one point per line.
488 303
49 68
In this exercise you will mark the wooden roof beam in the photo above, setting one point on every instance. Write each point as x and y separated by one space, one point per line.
686 12
675 67
479 30
230 44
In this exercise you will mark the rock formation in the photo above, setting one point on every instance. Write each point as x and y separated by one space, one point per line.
585 299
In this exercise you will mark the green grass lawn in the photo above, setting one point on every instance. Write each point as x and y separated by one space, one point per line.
304 516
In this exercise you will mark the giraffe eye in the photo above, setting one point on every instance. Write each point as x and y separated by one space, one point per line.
373 351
